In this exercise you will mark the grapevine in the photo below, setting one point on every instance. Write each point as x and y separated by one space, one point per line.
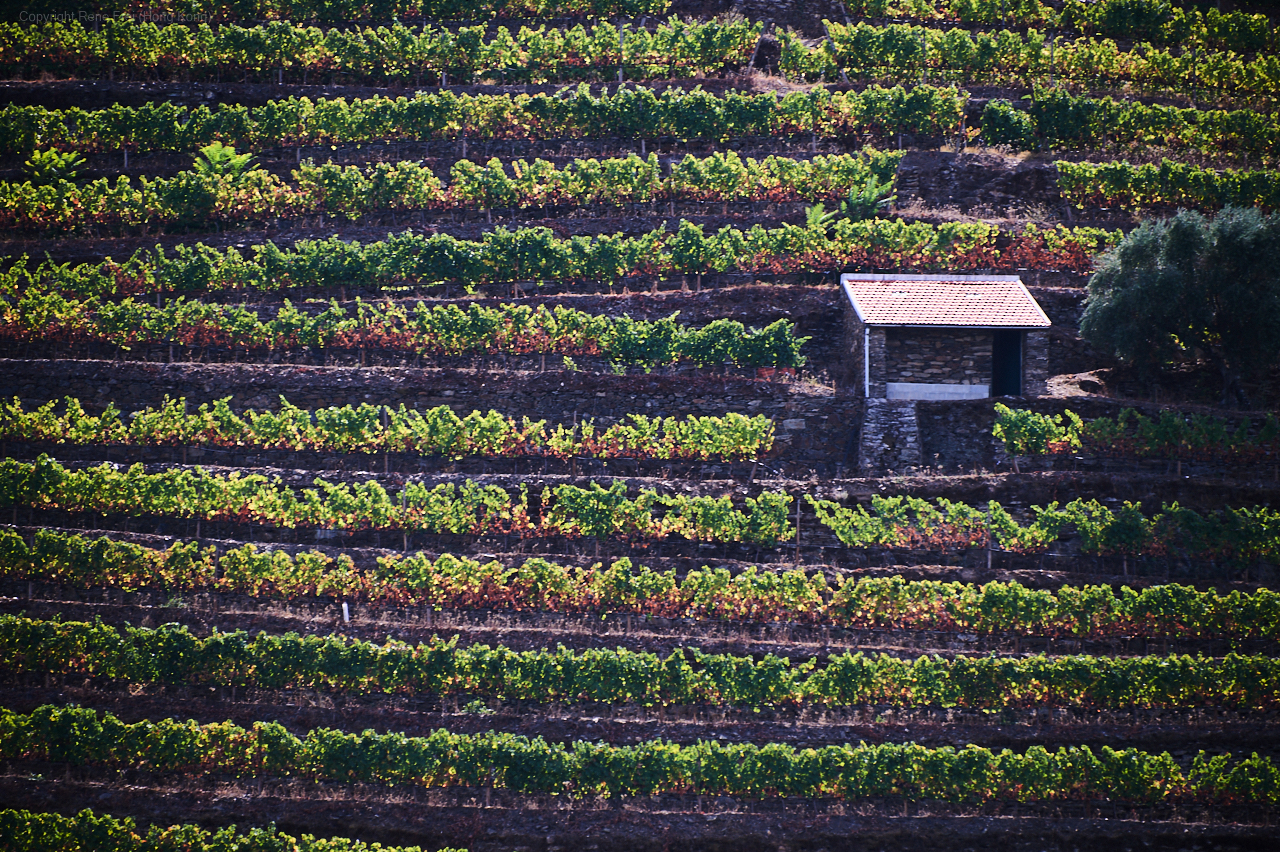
459 582
973 774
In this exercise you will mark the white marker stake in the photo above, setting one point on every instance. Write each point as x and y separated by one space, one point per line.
346 614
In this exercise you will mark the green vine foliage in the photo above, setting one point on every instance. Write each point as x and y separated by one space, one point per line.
221 189
374 429
1171 435
468 509
341 11
28 831
1155 21
172 655
632 112
1057 118
1168 185
454 582
502 256
431 330
901 52
973 774
1244 534
280 51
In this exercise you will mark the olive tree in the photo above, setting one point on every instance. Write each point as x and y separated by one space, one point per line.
1192 289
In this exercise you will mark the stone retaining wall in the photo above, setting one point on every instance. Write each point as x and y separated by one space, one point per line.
1035 363
938 356
890 437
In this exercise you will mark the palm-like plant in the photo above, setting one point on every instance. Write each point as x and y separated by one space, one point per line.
50 167
218 159
862 203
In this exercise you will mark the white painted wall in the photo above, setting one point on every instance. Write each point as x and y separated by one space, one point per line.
920 390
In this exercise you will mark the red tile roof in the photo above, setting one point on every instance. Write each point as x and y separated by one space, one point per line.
939 300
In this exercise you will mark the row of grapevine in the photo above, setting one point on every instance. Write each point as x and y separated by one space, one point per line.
565 510
1159 21
1053 118
448 330
398 52
1172 435
459 582
375 428
1248 533
899 51
195 200
28 831
338 11
1166 185
426 54
628 112
537 254
198 199
171 655
973 774
1056 118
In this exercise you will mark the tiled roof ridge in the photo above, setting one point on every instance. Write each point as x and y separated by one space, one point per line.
957 301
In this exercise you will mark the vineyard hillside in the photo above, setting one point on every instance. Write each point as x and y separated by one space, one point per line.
429 425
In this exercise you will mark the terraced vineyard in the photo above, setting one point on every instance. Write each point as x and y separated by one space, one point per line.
425 423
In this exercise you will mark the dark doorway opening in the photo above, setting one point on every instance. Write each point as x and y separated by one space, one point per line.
1006 362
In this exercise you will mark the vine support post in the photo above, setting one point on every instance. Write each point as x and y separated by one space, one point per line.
797 533
622 49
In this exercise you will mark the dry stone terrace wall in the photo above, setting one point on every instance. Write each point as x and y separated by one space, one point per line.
938 356
1035 363
988 181
814 424
1063 302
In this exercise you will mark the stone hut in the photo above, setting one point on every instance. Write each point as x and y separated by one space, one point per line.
932 337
